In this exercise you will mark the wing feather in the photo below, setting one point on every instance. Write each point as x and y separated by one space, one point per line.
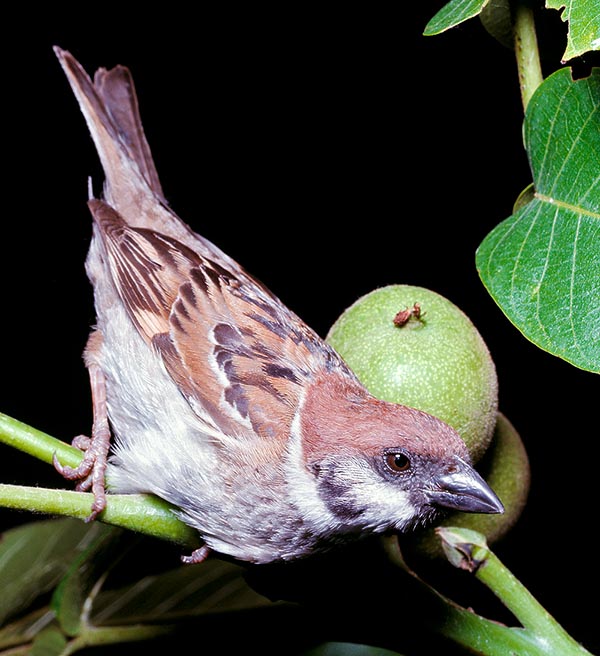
240 357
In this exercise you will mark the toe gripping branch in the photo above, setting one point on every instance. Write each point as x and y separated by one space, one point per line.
91 471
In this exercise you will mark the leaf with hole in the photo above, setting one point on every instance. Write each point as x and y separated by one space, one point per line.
542 264
583 17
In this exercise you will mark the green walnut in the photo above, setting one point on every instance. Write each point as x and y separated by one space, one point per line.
411 345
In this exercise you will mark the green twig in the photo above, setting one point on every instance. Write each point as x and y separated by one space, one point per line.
468 550
460 625
526 51
36 443
142 513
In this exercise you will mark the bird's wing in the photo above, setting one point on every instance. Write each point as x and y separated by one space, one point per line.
241 358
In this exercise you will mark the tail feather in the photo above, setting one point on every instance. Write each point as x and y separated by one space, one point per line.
132 188
110 108
116 89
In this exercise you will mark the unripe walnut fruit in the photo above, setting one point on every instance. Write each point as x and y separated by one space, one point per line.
411 345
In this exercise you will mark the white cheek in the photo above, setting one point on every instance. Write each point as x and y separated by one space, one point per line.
385 506
389 508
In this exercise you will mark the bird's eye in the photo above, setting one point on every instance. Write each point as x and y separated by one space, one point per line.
397 461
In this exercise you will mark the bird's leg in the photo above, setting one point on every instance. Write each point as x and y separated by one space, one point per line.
90 472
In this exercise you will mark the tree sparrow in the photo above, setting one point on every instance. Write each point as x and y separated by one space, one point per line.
220 399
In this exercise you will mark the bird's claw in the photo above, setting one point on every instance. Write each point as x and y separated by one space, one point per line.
197 556
90 471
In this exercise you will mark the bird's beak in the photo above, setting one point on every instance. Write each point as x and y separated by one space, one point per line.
462 488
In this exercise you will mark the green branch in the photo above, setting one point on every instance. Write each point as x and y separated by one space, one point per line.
526 51
544 636
36 443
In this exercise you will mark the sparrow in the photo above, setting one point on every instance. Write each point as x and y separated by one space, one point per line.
222 401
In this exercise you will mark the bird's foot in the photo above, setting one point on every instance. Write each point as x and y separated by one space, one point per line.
197 556
89 474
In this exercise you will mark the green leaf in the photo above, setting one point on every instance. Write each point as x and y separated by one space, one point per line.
453 14
183 592
34 557
71 599
50 642
542 264
583 17
496 17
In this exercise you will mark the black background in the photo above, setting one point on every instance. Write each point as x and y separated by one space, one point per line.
329 153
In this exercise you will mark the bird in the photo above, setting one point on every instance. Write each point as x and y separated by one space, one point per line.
210 393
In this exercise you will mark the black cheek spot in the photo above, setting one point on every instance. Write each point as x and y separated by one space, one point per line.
334 495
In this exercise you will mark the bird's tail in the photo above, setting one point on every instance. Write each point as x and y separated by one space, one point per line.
132 188
109 105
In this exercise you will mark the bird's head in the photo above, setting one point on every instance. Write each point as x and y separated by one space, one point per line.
380 466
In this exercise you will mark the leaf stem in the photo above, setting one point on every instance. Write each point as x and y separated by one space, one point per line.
526 51
481 635
444 617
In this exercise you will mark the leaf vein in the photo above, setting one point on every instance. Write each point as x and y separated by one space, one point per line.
568 206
